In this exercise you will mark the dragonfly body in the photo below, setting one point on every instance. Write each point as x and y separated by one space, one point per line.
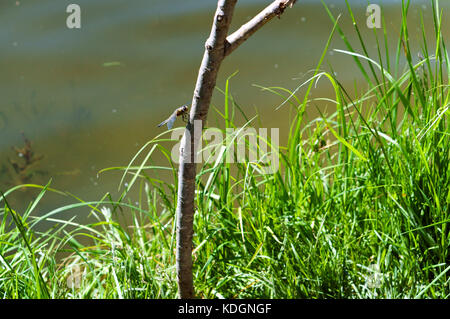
181 111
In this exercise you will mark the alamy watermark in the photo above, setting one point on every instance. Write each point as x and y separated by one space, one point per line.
373 13
234 145
73 21
375 277
73 281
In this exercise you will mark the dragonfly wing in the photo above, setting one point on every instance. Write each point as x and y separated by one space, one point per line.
171 120
162 123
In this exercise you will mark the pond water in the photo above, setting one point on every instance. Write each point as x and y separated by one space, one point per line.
89 98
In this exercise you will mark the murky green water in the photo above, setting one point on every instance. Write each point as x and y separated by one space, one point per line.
89 99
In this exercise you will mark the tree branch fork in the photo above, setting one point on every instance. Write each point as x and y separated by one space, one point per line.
217 47
276 8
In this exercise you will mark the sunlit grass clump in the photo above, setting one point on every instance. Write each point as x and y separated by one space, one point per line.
358 209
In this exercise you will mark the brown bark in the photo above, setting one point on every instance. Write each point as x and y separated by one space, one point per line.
217 47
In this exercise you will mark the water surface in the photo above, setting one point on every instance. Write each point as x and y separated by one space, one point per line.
90 98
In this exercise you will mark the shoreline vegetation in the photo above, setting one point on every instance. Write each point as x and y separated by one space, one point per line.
358 209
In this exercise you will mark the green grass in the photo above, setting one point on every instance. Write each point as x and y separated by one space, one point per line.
364 216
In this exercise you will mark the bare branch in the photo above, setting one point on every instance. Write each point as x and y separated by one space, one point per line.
276 8
206 81
217 47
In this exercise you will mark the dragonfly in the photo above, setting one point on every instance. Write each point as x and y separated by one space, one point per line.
181 111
